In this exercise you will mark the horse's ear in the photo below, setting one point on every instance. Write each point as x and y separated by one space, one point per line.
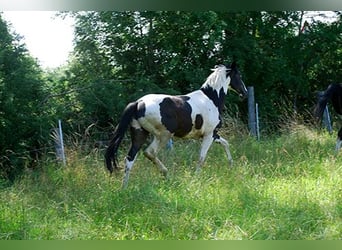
233 65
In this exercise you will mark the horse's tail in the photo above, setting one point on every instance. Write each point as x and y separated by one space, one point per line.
119 132
323 99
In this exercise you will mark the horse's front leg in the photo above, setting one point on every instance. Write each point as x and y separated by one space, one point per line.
225 144
206 143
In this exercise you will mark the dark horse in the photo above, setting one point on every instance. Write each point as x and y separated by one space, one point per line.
194 115
333 93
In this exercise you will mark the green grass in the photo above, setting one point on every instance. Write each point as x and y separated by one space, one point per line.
286 187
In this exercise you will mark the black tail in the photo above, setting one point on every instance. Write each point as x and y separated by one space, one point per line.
111 152
323 99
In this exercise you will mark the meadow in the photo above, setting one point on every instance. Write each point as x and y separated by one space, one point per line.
287 186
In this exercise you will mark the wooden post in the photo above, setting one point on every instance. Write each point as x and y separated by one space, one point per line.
251 112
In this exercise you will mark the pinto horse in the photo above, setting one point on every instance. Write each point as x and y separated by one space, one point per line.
333 93
194 115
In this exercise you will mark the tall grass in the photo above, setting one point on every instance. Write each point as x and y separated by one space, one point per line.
285 187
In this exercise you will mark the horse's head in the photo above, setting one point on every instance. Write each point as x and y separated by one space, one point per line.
236 82
224 77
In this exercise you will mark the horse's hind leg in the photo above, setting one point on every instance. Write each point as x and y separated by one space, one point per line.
153 148
138 136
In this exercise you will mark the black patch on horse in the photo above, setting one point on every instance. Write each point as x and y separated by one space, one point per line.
215 134
333 93
138 137
218 100
175 115
198 121
141 109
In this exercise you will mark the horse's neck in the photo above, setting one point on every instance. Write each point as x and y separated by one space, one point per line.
216 96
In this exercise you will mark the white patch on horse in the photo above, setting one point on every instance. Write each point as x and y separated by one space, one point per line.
152 120
202 105
128 167
218 79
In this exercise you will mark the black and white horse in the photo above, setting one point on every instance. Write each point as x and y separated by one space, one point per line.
194 115
333 93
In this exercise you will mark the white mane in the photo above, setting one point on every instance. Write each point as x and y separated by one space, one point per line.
218 79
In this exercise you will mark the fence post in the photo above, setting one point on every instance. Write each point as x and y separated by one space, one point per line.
169 144
257 121
60 144
251 112
326 115
326 119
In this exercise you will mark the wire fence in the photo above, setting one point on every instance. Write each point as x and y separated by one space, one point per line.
98 141
90 143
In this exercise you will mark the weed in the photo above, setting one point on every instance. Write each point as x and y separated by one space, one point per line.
285 187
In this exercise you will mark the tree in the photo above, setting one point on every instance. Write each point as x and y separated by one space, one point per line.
132 53
23 120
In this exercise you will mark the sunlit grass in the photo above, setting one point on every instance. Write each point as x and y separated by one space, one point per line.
285 187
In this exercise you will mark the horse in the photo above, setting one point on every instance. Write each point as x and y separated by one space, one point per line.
193 115
333 93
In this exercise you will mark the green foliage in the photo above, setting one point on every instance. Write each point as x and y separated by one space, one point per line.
140 53
173 51
287 187
24 124
120 56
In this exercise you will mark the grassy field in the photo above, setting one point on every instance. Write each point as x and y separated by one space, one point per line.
285 187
